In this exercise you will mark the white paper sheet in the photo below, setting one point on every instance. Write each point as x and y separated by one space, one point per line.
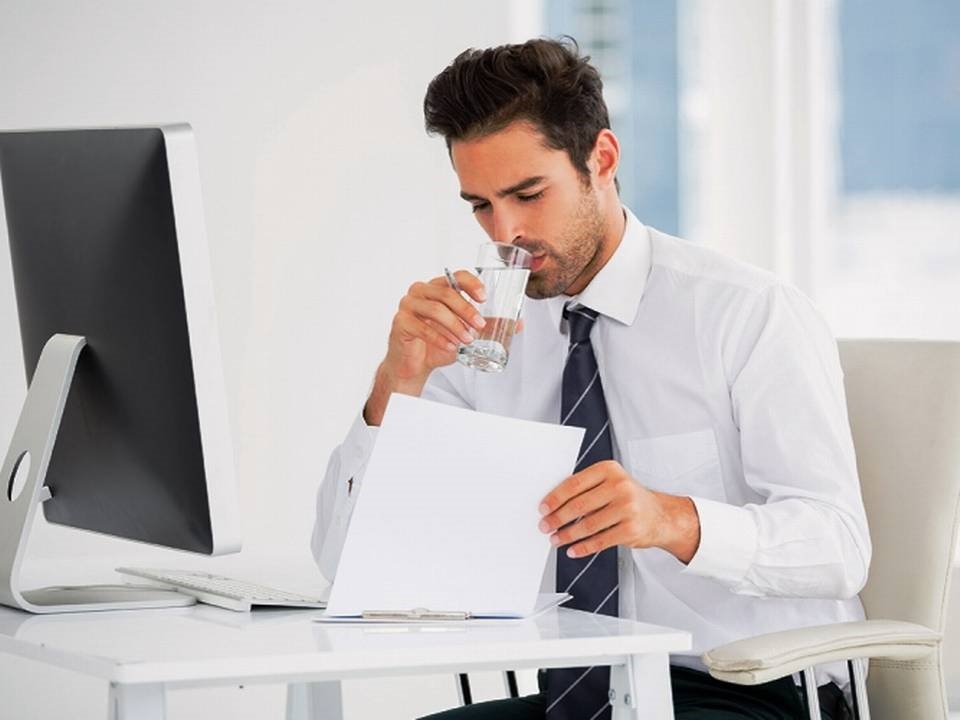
447 513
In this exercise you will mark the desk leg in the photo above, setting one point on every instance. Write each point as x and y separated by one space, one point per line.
314 701
137 702
640 689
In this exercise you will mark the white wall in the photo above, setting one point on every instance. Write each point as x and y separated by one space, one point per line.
324 200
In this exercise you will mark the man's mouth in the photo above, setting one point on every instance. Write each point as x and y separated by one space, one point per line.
537 262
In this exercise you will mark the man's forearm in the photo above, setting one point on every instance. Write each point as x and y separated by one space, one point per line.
384 384
681 535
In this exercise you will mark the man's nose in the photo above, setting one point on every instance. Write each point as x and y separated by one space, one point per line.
506 227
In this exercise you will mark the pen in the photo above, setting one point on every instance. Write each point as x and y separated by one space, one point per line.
452 280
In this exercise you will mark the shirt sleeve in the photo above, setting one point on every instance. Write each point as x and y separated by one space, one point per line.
806 534
338 493
343 479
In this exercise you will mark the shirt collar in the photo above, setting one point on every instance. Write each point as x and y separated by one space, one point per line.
617 288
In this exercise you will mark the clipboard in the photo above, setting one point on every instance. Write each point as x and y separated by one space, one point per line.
545 602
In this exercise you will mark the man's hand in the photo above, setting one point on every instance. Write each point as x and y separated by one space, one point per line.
431 320
602 506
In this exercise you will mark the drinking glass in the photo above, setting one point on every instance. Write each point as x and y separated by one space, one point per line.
504 270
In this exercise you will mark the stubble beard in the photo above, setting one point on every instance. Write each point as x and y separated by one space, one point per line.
577 254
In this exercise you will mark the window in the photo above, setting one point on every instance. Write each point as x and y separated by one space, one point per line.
891 260
818 139
634 45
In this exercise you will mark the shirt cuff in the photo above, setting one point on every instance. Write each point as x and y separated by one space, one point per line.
359 441
728 542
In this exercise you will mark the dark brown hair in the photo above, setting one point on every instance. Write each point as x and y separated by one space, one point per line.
545 82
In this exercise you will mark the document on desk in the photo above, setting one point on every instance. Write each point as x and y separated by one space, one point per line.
446 519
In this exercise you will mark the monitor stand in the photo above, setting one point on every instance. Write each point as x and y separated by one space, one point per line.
33 442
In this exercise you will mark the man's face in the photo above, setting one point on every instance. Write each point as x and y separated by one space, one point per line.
529 195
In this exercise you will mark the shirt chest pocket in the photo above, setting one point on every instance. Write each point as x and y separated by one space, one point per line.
683 464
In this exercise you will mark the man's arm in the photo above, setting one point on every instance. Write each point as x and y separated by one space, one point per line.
385 383
429 318
614 509
806 535
337 494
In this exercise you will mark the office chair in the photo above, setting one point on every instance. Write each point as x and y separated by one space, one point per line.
465 693
903 399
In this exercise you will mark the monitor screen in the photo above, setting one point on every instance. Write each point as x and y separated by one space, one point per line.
107 241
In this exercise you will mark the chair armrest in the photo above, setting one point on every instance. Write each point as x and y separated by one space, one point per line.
775 655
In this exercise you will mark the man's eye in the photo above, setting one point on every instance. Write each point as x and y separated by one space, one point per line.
477 207
530 198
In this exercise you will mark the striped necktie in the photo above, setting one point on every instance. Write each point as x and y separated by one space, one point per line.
582 693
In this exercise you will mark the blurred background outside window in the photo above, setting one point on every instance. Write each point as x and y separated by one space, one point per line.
819 139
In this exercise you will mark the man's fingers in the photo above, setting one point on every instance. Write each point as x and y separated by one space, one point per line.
443 294
432 334
440 315
438 290
468 282
472 284
411 321
447 335
611 537
574 485
588 525
577 507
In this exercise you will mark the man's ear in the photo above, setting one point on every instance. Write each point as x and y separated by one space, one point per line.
605 158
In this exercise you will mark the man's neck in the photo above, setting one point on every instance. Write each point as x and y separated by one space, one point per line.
615 225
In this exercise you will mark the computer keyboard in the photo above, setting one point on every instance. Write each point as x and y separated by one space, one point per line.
225 592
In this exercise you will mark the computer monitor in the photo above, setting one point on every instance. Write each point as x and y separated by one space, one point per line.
108 246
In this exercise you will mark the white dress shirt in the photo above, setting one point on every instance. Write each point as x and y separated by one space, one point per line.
722 384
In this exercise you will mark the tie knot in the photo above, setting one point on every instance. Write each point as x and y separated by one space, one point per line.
580 321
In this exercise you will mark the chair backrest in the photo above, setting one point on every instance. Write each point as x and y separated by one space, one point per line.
903 399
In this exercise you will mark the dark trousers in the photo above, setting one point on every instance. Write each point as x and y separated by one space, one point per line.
696 696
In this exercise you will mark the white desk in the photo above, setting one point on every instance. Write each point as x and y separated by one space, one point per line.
144 653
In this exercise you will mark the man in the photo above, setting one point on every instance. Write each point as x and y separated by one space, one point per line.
717 488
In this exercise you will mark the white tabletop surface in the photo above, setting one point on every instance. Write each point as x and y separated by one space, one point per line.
204 645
